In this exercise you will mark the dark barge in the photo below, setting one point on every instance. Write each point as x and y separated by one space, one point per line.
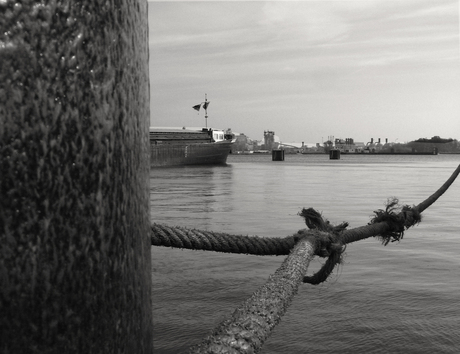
176 147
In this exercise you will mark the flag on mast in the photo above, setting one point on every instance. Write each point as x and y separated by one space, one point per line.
206 104
197 107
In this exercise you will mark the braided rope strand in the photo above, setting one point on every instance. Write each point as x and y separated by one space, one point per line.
180 237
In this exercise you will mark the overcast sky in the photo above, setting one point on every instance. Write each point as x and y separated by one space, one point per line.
308 69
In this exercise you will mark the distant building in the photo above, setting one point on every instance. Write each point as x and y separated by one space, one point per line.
243 144
271 141
372 147
348 145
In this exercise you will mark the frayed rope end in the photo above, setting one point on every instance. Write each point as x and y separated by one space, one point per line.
399 218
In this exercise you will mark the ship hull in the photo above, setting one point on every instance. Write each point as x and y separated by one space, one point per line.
212 153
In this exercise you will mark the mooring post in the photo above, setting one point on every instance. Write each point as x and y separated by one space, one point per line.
74 114
278 155
334 155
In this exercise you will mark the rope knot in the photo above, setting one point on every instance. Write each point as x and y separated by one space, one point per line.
328 239
328 243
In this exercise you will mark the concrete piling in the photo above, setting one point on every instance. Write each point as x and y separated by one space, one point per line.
74 177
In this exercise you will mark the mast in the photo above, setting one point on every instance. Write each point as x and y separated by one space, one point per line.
205 105
206 109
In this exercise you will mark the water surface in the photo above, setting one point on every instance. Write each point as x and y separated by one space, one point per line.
402 298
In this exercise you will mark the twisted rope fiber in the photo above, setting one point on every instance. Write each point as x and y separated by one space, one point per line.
179 237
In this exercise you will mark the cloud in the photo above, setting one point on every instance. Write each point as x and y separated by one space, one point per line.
340 62
304 21
433 10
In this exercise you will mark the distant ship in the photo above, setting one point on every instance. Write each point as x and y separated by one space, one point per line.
176 147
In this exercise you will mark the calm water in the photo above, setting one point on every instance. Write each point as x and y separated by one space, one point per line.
402 298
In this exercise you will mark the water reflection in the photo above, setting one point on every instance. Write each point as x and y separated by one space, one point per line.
189 195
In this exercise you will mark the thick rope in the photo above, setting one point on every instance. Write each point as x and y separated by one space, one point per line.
251 323
431 199
181 237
